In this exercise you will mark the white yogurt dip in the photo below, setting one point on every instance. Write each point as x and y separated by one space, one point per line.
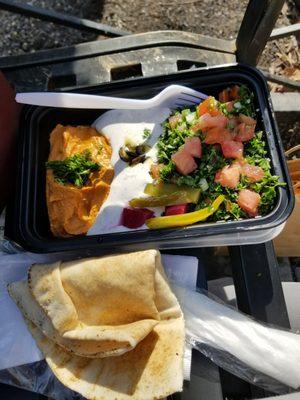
129 182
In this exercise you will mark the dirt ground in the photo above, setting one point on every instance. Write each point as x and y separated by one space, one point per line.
21 35
218 18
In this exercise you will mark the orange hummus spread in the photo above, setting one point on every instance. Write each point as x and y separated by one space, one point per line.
73 210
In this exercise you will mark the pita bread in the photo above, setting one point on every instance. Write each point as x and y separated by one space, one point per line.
48 289
96 291
153 370
87 295
119 307
114 340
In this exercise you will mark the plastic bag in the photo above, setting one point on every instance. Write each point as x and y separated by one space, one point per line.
262 355
38 377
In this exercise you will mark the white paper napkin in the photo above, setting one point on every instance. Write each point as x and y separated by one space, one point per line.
17 346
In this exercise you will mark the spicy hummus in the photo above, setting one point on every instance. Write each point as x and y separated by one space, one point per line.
72 210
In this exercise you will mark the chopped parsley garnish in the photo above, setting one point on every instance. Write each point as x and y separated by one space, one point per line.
147 133
75 170
100 148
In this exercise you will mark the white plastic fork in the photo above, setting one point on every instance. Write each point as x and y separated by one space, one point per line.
173 96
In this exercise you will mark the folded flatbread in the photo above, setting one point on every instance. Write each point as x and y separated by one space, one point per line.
111 340
110 328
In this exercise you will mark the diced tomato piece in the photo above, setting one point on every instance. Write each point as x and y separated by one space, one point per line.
224 96
232 149
206 122
197 127
217 135
247 120
185 163
249 201
135 217
193 146
155 171
209 106
233 123
229 94
215 111
173 120
229 106
228 176
244 132
177 209
252 172
234 92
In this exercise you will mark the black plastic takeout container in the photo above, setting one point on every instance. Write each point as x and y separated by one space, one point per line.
27 220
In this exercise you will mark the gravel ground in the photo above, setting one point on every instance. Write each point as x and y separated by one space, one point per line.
21 34
194 16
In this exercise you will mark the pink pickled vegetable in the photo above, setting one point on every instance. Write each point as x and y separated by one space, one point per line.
135 217
177 209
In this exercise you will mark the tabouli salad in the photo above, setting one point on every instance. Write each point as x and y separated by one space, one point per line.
212 165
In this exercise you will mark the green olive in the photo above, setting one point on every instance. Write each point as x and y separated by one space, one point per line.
134 154
123 154
142 149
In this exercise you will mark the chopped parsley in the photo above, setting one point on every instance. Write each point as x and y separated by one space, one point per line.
147 133
74 170
100 148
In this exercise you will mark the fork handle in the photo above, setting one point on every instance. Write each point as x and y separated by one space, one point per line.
77 100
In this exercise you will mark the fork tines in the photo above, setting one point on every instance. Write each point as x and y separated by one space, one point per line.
188 99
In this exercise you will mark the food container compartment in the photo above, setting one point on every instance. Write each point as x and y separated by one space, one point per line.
27 221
